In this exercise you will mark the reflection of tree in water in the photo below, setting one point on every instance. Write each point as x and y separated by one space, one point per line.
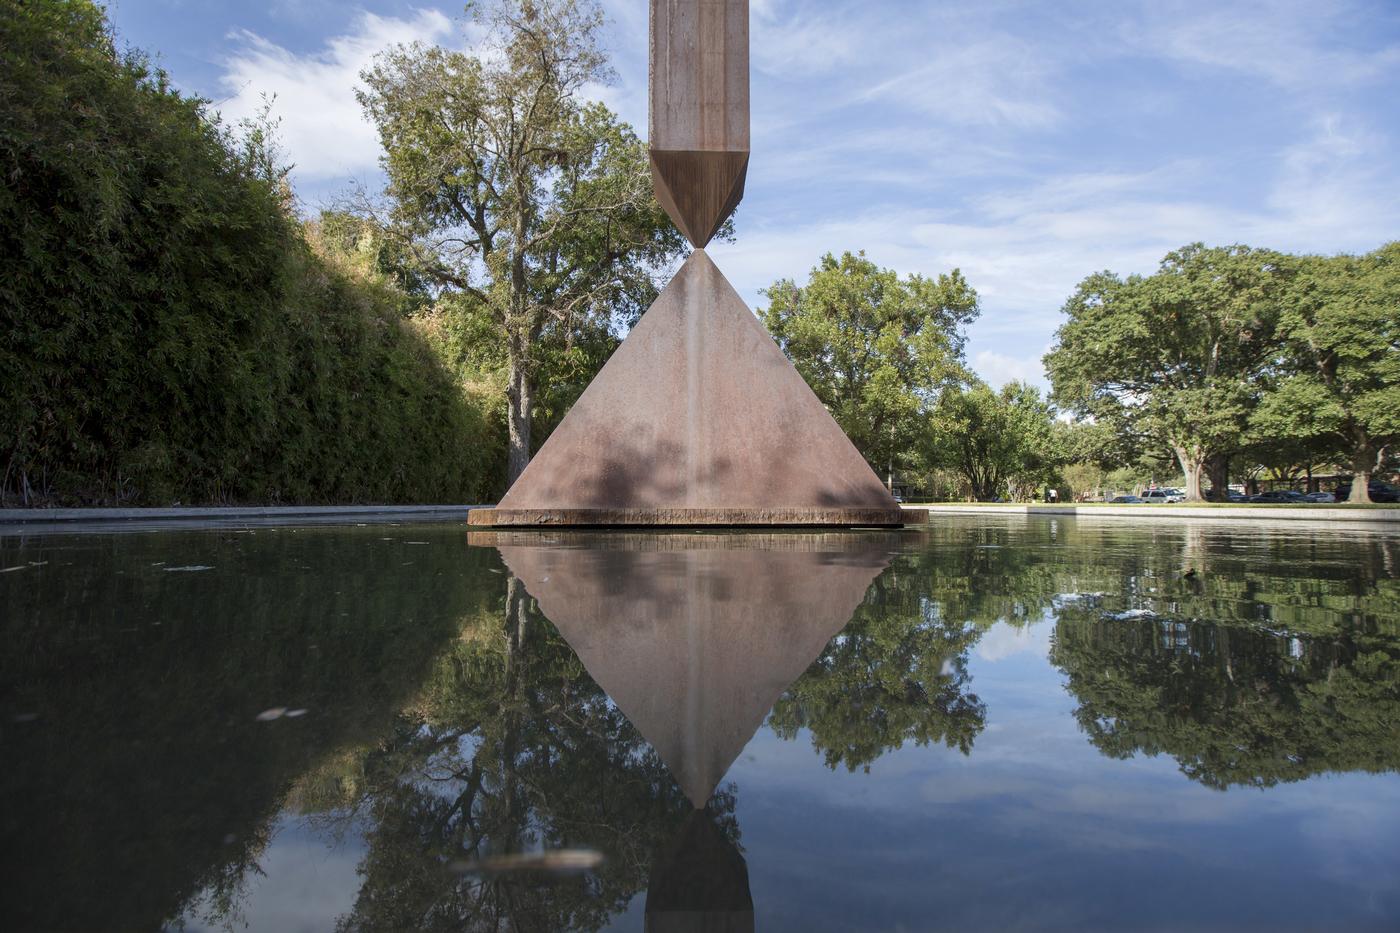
510 747
1245 679
897 673
146 787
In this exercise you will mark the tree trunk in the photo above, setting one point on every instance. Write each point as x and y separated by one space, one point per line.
1218 469
520 394
1191 460
1363 462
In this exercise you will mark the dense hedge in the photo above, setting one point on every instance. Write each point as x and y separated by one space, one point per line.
169 334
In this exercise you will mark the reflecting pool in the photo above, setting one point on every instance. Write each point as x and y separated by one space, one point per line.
987 723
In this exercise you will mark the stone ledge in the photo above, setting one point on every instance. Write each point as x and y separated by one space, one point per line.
752 517
1316 513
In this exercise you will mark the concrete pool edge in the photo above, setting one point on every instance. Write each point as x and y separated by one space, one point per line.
62 520
1316 513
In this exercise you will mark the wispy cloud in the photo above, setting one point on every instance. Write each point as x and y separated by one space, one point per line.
323 129
1296 44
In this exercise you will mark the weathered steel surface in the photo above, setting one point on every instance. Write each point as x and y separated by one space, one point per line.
699 883
699 75
698 418
699 190
699 110
540 518
695 643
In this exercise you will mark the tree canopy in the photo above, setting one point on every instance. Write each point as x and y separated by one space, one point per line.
1175 358
875 348
1337 380
996 439
513 190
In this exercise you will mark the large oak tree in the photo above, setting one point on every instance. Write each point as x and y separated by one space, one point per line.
514 190
1174 359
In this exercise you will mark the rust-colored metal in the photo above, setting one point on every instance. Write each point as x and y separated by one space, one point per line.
699 111
698 418
695 637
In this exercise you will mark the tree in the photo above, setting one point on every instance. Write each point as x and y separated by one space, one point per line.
1173 359
994 438
876 349
1339 375
514 190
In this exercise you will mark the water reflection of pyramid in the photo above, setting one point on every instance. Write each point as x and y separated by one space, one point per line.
695 636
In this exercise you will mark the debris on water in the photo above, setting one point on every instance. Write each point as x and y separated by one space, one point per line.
10 569
1128 614
294 713
415 542
267 715
25 717
159 563
190 568
37 563
554 862
493 569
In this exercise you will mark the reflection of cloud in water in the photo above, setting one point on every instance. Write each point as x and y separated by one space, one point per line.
304 877
1003 641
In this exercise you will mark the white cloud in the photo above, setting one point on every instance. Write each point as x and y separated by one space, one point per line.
998 80
997 369
323 129
1296 44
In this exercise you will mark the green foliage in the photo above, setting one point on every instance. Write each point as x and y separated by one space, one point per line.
1338 383
170 335
875 348
1173 360
1001 442
506 187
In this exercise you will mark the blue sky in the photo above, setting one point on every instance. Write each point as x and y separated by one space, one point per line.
1028 144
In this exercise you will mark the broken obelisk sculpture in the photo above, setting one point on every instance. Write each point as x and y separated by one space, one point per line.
698 418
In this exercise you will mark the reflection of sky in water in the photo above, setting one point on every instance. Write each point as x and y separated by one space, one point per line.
1031 625
308 877
1037 828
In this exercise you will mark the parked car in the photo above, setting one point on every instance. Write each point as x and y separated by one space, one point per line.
1380 492
1126 500
1320 497
1233 496
1279 496
1164 495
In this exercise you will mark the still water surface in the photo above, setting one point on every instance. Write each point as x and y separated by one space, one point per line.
986 724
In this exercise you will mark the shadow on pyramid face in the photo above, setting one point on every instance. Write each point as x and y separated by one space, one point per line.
695 636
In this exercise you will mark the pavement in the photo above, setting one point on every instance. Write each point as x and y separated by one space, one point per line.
1310 513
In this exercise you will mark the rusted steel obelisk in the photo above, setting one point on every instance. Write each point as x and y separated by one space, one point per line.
698 418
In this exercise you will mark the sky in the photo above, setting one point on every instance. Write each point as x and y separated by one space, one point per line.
1026 144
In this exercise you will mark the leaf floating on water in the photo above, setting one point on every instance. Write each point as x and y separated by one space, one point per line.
191 567
294 713
37 563
415 542
267 715
493 569
554 862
